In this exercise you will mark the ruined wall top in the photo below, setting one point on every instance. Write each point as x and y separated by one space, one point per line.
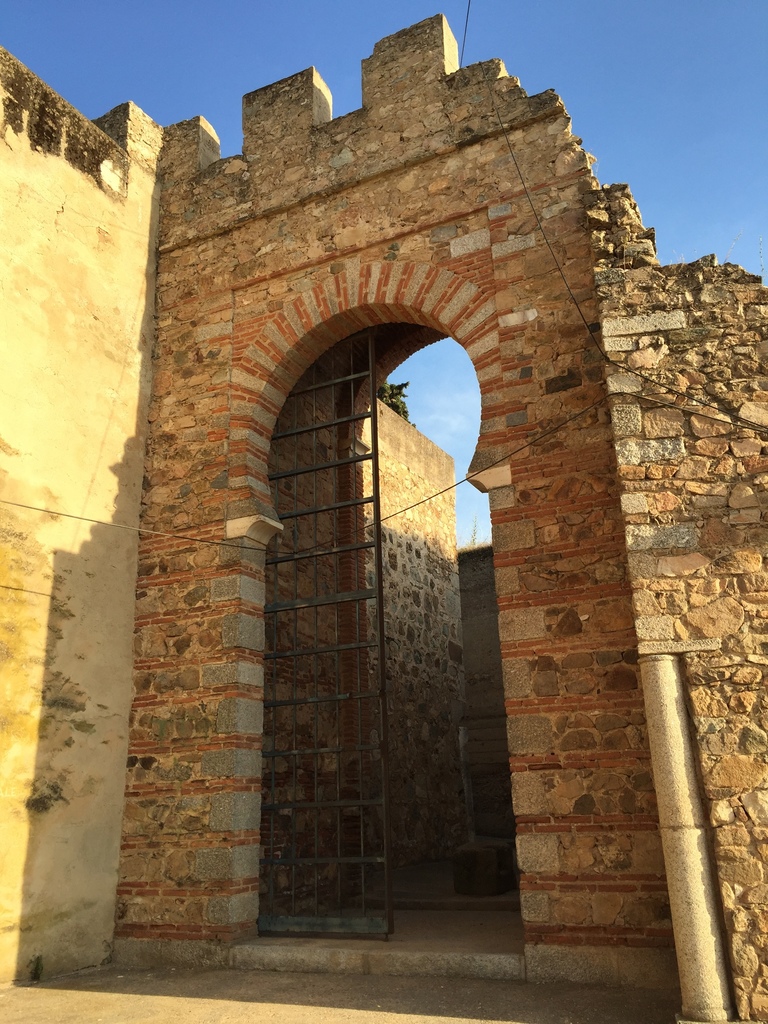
103 150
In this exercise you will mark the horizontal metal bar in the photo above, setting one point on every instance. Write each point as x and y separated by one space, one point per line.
314 553
308 652
330 699
322 426
320 466
330 383
349 503
344 597
319 804
373 859
304 751
269 924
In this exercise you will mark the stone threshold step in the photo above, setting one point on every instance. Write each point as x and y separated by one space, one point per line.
261 955
405 901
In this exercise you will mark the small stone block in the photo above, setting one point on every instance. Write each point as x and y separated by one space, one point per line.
484 868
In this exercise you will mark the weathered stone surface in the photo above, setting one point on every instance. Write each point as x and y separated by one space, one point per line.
710 425
682 565
634 504
626 419
516 676
718 618
538 853
640 538
742 496
522 625
755 412
743 560
663 423
737 772
722 813
529 734
425 648
756 806
644 323
634 453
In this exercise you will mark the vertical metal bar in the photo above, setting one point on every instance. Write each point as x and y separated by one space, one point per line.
316 724
379 566
271 848
296 544
339 816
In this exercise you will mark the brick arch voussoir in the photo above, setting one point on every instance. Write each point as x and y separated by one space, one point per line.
357 295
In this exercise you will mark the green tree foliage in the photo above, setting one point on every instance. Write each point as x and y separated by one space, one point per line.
393 395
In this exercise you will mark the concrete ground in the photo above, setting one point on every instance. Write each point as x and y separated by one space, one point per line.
114 996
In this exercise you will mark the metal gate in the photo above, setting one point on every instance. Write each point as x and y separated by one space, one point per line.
325 830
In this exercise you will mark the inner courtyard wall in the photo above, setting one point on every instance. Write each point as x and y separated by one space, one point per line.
79 216
424 663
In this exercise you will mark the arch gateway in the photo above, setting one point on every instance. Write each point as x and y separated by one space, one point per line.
623 445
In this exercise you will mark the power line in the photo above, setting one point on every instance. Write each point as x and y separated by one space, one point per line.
541 436
25 590
223 543
504 458
464 39
130 529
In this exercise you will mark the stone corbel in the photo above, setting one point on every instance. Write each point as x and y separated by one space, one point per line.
488 478
258 529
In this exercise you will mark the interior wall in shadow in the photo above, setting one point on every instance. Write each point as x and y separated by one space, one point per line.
487 752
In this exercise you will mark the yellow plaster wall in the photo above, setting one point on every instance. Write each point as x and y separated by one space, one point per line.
76 293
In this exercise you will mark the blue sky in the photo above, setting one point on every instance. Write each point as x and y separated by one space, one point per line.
670 95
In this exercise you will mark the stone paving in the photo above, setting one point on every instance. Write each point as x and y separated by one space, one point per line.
110 996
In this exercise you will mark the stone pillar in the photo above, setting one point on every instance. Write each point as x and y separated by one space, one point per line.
690 878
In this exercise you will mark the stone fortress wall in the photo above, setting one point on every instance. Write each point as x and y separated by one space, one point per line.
79 216
614 523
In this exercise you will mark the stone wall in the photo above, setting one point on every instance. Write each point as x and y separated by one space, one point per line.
616 538
688 375
424 645
77 294
485 717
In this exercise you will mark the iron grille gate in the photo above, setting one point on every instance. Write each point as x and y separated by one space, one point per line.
325 831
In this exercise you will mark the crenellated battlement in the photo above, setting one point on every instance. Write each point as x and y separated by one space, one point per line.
426 52
280 112
188 148
417 104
